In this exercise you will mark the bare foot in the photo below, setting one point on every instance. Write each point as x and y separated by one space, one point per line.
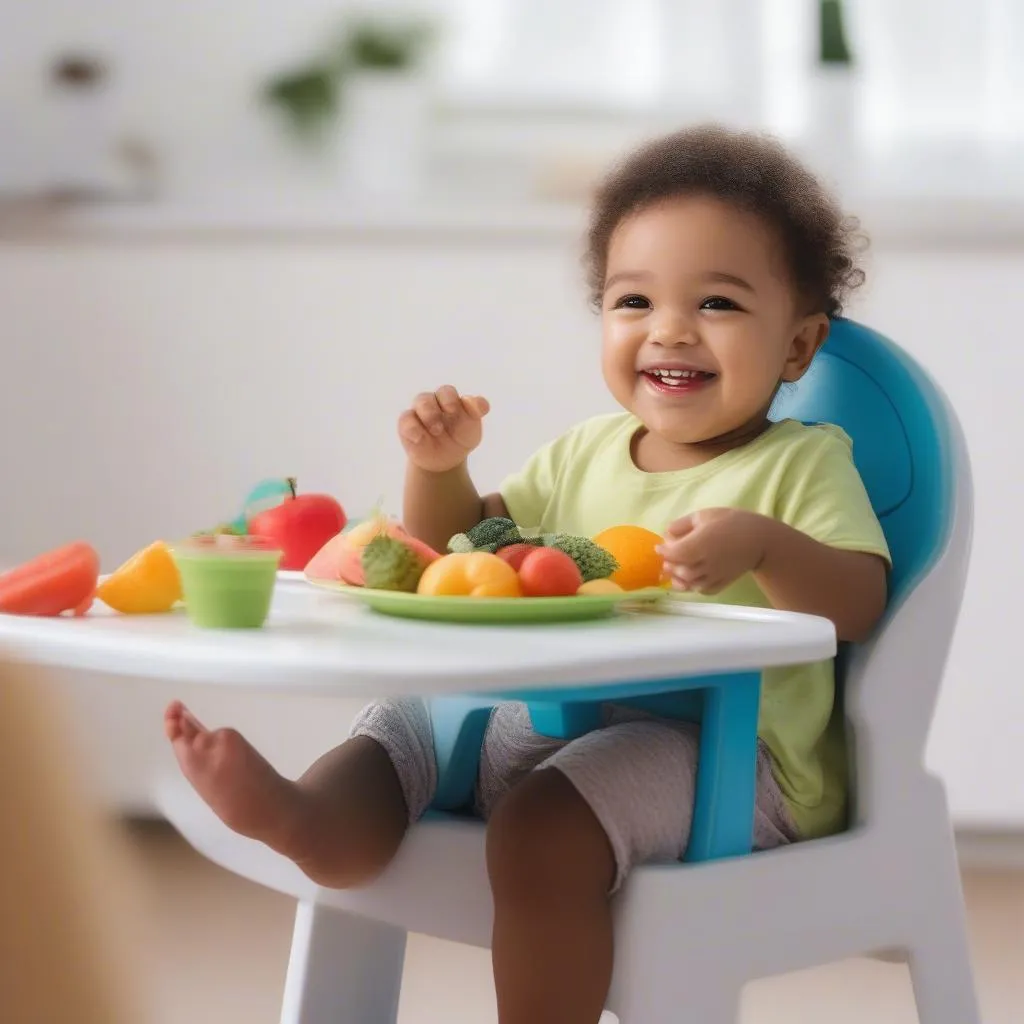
239 785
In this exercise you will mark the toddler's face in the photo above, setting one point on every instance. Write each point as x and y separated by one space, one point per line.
700 321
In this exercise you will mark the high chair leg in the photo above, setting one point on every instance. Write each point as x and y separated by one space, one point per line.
343 969
940 966
939 954
699 1007
684 997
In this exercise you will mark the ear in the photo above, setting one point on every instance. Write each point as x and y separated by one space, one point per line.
810 335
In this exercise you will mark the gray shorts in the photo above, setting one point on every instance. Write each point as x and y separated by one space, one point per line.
638 774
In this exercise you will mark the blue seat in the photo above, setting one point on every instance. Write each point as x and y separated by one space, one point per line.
863 383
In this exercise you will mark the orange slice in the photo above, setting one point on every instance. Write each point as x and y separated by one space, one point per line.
146 584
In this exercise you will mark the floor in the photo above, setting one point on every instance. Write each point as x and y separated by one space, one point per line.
218 949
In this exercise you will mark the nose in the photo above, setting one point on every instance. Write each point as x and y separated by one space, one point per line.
672 329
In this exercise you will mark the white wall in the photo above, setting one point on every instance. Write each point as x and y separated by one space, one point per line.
145 388
145 385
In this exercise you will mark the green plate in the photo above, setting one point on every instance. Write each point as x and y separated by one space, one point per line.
493 610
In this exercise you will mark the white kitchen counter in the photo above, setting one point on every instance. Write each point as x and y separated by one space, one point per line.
938 221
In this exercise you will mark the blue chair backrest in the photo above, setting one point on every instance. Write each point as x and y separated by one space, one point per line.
865 384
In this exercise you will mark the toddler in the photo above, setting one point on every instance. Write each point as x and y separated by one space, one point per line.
716 261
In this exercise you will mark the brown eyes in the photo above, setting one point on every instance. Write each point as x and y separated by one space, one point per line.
714 303
633 302
718 302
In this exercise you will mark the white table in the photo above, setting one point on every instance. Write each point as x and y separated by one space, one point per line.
316 642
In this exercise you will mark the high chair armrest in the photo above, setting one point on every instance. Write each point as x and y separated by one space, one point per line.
727 706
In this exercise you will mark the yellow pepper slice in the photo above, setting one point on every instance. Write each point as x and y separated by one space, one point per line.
598 587
478 574
146 584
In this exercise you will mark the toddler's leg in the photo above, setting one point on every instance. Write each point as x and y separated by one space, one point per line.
560 843
341 822
551 869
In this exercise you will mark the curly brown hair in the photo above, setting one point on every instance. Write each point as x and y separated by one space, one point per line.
755 173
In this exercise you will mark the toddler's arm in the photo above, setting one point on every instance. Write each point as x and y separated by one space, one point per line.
710 549
800 574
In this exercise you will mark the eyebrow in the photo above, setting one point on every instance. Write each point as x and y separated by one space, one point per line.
628 275
724 278
643 275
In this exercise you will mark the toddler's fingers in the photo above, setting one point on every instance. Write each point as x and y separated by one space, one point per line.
683 579
697 567
428 410
410 429
449 401
683 551
680 528
476 406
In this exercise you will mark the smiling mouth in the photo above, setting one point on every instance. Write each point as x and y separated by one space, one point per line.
677 381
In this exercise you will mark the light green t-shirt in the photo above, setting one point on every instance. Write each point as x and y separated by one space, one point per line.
804 476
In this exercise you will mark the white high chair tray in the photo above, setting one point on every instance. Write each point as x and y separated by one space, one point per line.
315 642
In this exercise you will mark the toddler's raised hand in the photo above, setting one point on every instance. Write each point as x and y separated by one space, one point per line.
442 428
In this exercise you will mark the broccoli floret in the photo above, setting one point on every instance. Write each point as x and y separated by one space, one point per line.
593 562
494 533
491 536
460 544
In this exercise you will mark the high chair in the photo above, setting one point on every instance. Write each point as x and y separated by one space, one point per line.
690 935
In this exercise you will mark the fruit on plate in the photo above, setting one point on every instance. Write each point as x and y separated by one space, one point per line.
299 526
63 580
596 588
341 558
547 572
635 549
502 537
390 564
593 561
514 554
469 574
147 583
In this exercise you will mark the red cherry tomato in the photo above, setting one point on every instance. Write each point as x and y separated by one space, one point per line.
547 572
515 553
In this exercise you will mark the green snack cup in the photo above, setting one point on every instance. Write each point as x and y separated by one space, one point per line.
227 581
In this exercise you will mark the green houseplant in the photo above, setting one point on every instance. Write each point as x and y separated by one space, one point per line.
311 95
833 48
833 94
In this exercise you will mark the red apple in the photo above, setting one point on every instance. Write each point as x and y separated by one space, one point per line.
300 526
